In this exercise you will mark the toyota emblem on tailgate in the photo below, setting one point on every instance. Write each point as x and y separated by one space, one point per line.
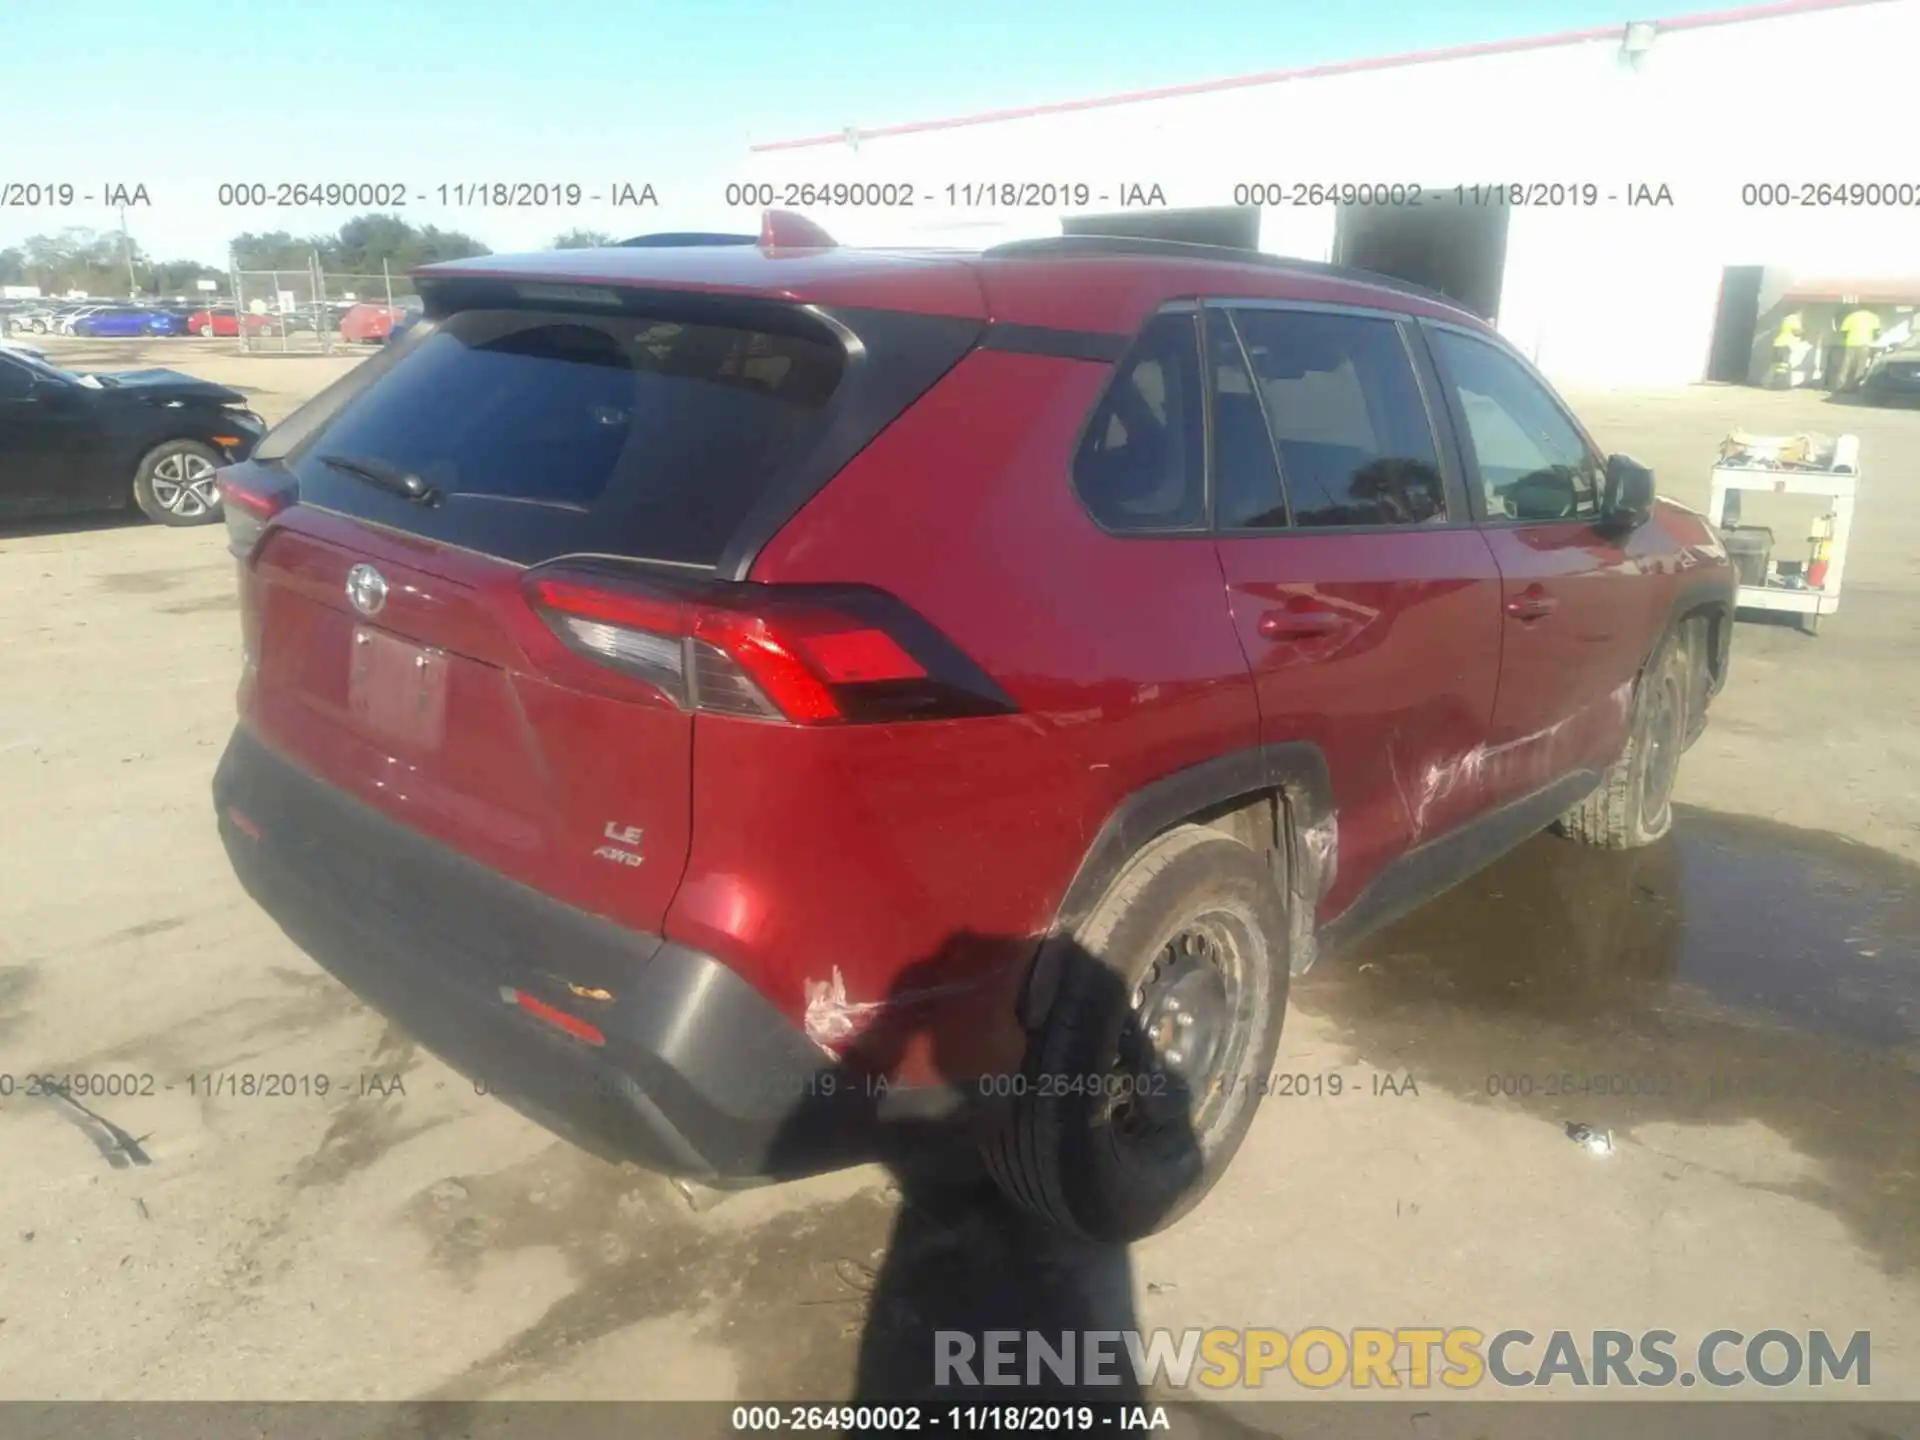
367 589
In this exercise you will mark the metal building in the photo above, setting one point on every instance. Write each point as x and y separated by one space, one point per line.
1631 204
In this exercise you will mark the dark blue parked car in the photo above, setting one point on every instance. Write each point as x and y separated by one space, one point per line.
131 322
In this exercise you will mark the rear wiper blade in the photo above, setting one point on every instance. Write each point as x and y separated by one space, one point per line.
390 478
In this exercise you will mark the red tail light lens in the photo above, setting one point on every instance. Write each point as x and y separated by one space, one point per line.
799 654
247 508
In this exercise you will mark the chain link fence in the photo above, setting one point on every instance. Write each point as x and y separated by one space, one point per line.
311 311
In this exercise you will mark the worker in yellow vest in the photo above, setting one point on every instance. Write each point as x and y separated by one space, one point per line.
1784 341
1857 334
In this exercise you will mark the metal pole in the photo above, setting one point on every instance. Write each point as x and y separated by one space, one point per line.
386 272
126 254
237 304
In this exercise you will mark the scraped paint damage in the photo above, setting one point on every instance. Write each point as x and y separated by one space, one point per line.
832 1020
1321 843
1419 794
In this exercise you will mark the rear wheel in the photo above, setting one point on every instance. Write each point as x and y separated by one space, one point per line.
1634 803
1149 1067
175 483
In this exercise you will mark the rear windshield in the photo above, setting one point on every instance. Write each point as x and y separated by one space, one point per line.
544 433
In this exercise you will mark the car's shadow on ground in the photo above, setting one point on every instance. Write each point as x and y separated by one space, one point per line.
40 527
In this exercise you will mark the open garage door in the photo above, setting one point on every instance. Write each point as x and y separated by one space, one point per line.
1459 250
1736 324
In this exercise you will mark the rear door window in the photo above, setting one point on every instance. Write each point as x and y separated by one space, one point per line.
1348 420
544 433
1247 489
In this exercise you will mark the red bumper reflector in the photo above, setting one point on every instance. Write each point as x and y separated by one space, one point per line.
243 823
559 1019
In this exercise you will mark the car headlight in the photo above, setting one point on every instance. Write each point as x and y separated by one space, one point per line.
247 417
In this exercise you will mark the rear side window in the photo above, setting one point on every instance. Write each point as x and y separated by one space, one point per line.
630 435
1142 462
1349 422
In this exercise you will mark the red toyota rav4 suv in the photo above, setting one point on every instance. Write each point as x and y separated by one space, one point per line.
746 700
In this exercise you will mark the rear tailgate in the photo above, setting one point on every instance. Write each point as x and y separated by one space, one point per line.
392 649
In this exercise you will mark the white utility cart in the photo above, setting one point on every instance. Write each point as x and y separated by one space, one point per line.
1809 588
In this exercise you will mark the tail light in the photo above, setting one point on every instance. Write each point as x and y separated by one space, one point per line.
248 506
802 655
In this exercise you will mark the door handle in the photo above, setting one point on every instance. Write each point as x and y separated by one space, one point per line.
1532 603
1301 624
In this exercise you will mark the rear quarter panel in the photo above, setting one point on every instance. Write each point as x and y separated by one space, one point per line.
926 859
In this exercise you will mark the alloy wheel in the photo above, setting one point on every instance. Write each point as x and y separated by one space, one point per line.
1664 743
183 484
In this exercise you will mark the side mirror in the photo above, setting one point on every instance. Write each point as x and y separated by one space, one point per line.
1628 499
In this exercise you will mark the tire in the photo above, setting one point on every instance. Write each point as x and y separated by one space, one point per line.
206 332
1633 806
174 483
1140 1150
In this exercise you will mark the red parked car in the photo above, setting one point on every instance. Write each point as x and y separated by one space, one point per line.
748 701
226 322
370 324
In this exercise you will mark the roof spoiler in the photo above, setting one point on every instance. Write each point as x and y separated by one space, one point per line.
779 230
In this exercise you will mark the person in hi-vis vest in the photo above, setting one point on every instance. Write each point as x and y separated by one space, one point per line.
1784 340
1857 334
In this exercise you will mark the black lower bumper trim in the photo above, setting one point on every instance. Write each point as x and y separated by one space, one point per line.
700 1075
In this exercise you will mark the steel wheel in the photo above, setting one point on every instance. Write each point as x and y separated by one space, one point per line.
183 484
1180 1045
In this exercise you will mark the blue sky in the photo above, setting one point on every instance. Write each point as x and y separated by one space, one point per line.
186 94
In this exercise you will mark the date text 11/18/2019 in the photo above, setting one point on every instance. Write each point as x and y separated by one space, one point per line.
1503 194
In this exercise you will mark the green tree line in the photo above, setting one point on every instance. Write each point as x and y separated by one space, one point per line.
97 262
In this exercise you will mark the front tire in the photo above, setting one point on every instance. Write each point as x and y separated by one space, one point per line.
1633 807
1151 1062
175 484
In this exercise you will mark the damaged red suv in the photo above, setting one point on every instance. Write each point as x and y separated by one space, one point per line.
745 702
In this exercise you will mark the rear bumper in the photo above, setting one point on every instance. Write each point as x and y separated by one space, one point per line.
699 1074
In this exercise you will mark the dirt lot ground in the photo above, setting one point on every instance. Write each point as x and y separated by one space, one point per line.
1754 982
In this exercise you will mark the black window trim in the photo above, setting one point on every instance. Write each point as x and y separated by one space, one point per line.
1202 531
1459 517
1469 457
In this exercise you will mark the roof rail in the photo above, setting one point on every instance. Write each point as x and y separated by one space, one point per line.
674 240
779 230
1226 254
